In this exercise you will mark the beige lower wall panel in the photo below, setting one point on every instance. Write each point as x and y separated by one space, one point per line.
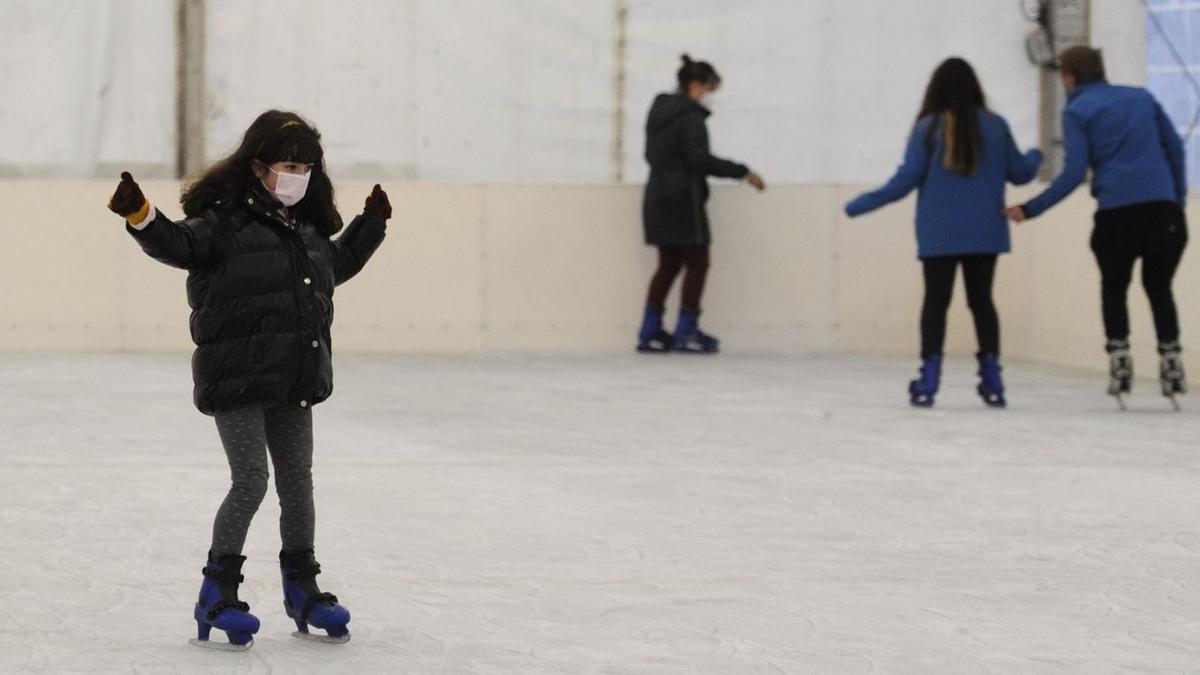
422 291
564 268
61 288
772 275
540 268
878 280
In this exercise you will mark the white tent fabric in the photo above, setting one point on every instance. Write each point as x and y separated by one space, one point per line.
518 91
454 90
89 87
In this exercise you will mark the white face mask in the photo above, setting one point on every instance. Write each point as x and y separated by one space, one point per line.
289 187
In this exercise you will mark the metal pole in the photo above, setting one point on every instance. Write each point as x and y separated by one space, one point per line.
189 86
618 158
1069 26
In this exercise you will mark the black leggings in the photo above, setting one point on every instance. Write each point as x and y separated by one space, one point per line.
671 259
249 434
978 272
1156 232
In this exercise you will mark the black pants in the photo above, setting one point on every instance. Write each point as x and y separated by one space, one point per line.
249 435
671 260
1156 232
978 273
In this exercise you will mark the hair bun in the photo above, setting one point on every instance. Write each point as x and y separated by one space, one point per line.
687 60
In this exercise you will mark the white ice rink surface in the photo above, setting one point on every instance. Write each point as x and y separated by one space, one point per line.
618 515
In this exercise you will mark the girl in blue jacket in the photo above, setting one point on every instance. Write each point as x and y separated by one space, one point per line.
959 157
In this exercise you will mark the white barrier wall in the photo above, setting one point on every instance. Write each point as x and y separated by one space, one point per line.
470 90
497 268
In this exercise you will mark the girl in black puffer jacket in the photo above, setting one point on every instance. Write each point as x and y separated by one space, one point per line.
262 267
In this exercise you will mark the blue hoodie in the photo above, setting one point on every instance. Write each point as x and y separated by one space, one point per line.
956 214
1123 135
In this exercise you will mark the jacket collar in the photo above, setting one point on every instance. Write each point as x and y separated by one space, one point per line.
262 204
1080 88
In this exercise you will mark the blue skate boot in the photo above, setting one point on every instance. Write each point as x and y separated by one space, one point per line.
652 338
991 386
306 604
922 390
689 338
219 607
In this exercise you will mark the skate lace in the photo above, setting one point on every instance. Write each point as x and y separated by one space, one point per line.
222 605
302 573
221 575
1172 366
313 601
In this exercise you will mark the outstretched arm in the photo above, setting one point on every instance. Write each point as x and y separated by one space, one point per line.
700 158
1075 163
1022 168
362 237
909 175
186 245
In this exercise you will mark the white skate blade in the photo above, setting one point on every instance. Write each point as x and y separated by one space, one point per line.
1121 401
314 637
1175 403
221 646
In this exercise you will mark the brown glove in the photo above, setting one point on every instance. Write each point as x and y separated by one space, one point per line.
756 180
377 205
128 201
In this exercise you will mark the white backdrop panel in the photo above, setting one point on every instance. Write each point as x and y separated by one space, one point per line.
823 91
454 90
88 87
519 91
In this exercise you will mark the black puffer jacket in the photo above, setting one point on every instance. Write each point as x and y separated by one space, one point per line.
673 209
261 291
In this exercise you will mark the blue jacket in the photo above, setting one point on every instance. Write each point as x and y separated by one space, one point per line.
956 214
1123 135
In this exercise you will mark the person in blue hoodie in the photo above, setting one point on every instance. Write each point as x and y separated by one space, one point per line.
1140 185
959 157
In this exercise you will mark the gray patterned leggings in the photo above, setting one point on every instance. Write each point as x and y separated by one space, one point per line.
248 434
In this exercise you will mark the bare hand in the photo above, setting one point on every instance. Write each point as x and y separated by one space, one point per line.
1016 214
377 205
756 180
128 198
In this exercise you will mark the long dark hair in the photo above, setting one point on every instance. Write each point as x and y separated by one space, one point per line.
276 136
955 97
696 71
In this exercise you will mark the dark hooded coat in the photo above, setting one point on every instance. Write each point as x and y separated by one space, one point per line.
673 208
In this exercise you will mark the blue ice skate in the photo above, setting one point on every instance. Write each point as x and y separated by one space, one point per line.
652 339
689 338
219 607
991 386
306 604
922 390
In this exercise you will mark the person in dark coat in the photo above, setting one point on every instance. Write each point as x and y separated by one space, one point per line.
673 211
262 267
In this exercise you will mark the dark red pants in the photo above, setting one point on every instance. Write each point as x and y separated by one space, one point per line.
671 260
